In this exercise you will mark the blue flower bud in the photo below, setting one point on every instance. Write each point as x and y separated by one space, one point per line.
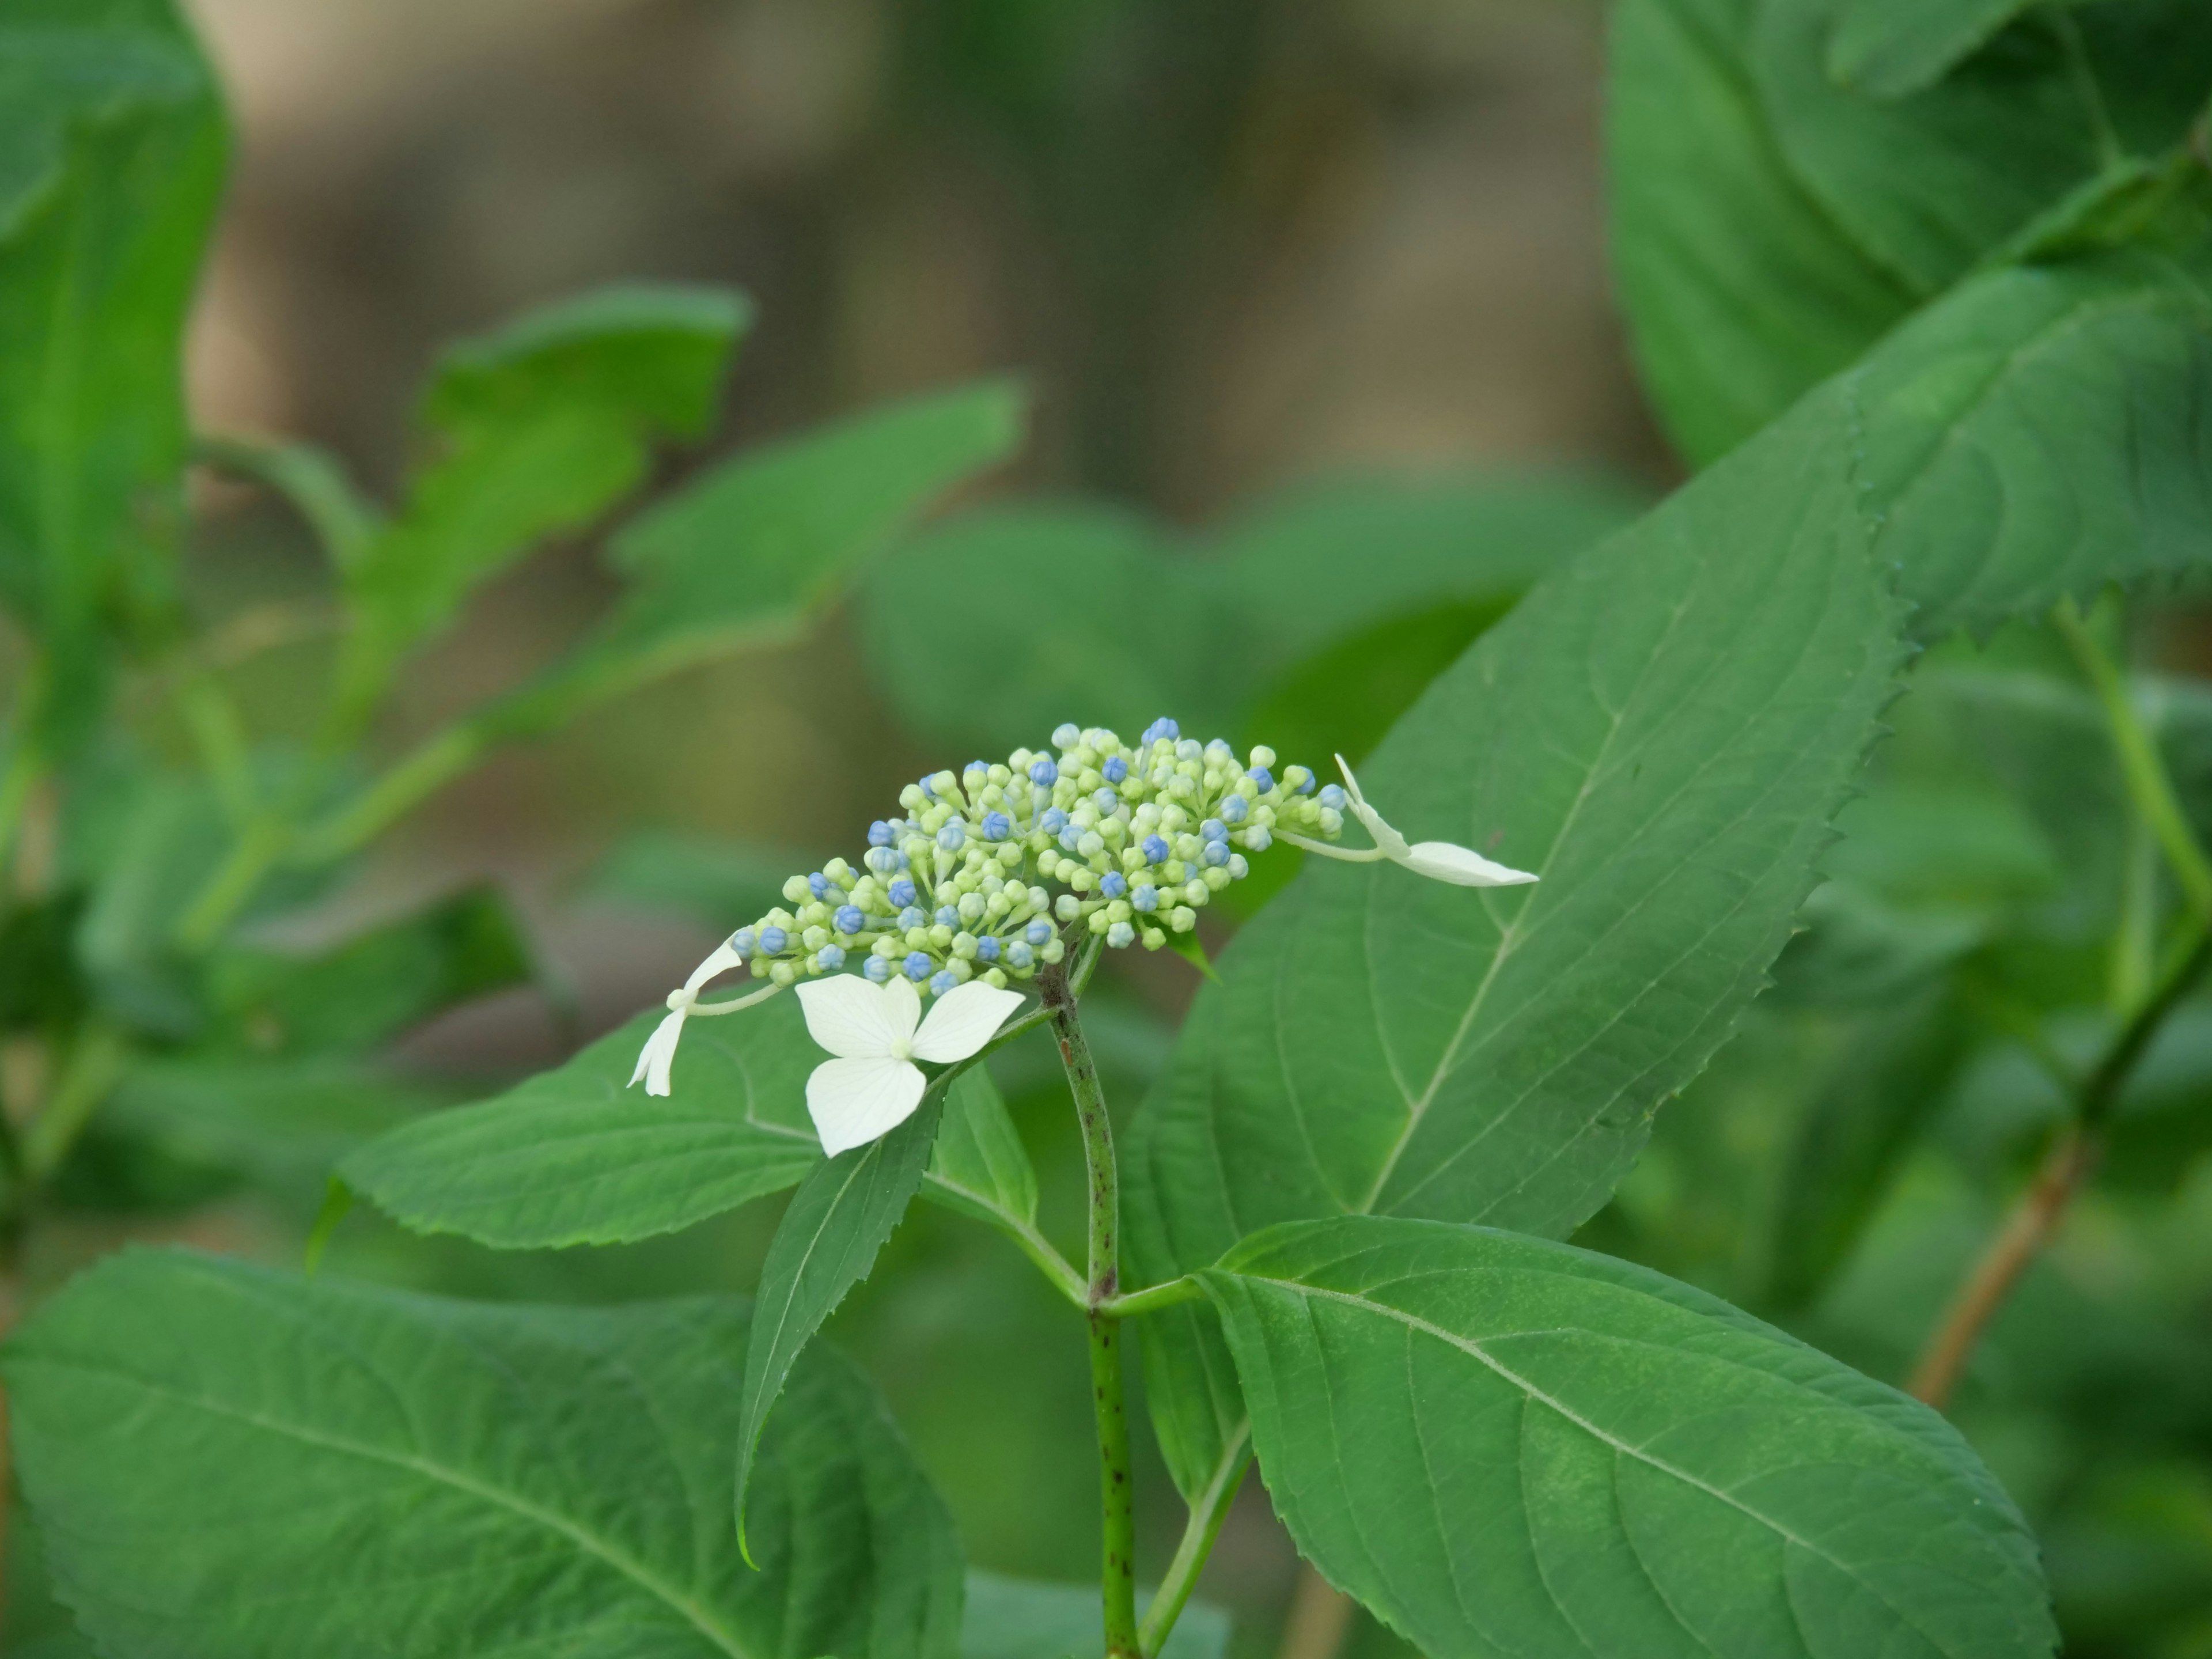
1332 795
986 948
952 837
1120 933
879 834
831 957
1051 820
1038 931
912 917
901 892
1107 802
1218 753
1071 839
923 781
817 886
947 916
1115 771
976 774
1066 735
1146 898
1043 772
876 968
772 941
945 979
1213 829
1019 955
1156 849
849 919
1217 852
743 942
1161 728
1262 779
1113 884
1300 781
882 860
917 966
997 826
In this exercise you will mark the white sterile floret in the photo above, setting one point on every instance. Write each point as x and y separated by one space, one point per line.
1439 860
872 1084
660 1051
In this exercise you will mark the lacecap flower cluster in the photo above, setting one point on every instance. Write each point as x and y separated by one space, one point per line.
988 870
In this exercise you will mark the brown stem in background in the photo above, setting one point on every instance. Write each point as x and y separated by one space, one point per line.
1321 1613
2065 1170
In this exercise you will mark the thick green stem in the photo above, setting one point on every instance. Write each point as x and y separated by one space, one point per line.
1117 1501
2141 764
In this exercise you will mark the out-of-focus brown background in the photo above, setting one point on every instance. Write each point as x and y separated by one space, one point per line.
1230 243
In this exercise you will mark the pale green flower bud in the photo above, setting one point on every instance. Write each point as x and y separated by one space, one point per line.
912 799
1331 821
1215 876
1174 820
815 937
1099 922
1196 892
972 906
963 944
945 786
796 891
1077 877
784 973
917 939
1000 777
1262 756
1053 950
1153 938
1069 907
940 937
1119 910
1010 856
995 977
1182 919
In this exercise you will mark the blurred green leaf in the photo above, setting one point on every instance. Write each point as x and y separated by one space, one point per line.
1890 48
574 1156
378 984
754 549
1624 1464
710 882
112 155
1663 736
232 1461
1022 1619
826 1243
536 431
1219 621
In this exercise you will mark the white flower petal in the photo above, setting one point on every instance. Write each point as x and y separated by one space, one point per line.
660 1051
1392 844
720 961
1442 861
851 1017
854 1102
901 1007
963 1020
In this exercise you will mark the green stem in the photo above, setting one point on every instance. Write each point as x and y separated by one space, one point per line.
1117 1501
2141 764
430 767
1207 1512
1174 1293
95 1061
228 890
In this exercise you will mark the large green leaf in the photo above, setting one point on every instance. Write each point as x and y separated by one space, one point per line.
1221 619
230 1462
1023 1618
1505 1445
1771 223
978 1164
112 154
1888 48
537 428
2040 432
1662 732
755 549
828 1238
575 1156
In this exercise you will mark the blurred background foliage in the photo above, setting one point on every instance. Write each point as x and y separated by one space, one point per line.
1318 369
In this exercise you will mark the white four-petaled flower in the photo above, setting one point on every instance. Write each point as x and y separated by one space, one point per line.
873 1085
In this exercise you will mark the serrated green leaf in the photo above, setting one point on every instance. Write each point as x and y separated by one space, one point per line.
575 1156
1024 1618
826 1243
2040 432
379 983
754 549
1662 732
112 155
978 1164
1224 617
1621 1464
536 429
232 1460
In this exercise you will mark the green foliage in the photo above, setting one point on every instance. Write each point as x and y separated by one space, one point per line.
111 155
978 1165
442 1477
575 1156
1671 1476
1223 620
1662 737
827 1242
1018 1618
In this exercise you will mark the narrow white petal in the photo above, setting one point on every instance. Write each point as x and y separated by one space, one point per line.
854 1102
1442 861
963 1020
1391 843
901 1007
849 1017
660 1051
720 961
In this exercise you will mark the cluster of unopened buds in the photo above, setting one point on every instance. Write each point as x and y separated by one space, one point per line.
955 898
